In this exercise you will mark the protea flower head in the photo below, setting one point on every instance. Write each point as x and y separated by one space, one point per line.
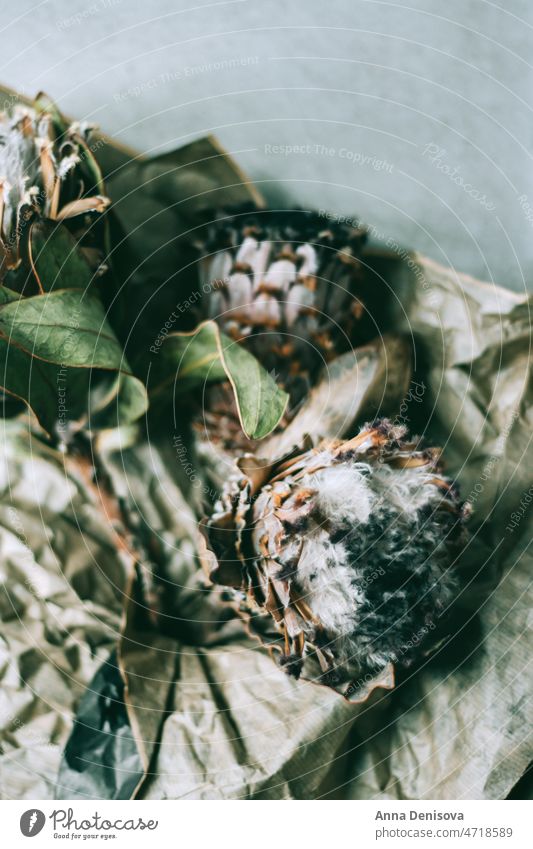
287 283
47 172
348 547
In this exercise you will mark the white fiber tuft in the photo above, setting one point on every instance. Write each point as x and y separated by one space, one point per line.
343 493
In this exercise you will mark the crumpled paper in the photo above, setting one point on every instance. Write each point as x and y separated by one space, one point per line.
462 732
458 726
212 716
61 603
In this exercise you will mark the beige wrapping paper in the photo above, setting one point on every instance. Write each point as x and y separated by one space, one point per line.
61 601
215 716
458 727
463 728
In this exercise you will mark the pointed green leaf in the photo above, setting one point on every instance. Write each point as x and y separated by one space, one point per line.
32 381
59 395
67 326
7 296
51 348
260 402
189 360
56 258
124 403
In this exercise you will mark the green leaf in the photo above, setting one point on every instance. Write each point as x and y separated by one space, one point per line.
32 381
45 105
124 403
52 347
56 258
7 296
190 360
260 402
59 395
68 327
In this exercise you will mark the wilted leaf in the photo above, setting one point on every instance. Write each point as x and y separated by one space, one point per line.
56 259
32 381
197 175
82 206
260 403
459 727
7 296
58 341
66 327
124 402
188 181
190 360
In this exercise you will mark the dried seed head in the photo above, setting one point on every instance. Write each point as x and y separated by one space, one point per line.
47 170
288 283
349 547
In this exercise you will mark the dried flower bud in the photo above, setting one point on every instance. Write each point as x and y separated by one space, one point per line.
47 174
349 547
288 283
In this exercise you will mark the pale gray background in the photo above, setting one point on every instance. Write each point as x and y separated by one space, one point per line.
378 79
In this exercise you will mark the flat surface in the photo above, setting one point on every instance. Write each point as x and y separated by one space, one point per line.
415 117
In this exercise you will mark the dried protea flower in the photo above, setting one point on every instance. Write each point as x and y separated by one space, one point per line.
288 284
348 546
47 174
